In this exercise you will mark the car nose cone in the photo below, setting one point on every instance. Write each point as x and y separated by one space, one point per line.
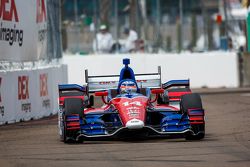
135 124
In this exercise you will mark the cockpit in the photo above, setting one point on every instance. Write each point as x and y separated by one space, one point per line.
128 86
127 82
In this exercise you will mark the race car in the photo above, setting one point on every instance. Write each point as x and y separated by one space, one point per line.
134 105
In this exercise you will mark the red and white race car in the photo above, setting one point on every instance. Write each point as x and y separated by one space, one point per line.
133 105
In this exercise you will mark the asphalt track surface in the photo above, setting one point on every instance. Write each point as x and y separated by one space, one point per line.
227 142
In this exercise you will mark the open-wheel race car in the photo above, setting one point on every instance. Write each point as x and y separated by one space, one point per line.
133 105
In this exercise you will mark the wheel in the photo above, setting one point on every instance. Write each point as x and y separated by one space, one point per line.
189 101
71 106
193 101
164 98
179 90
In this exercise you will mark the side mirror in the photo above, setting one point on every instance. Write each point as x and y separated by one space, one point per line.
101 93
157 91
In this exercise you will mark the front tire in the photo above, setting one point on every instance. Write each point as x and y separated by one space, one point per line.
72 106
193 101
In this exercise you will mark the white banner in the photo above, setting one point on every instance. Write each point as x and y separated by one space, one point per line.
23 30
30 94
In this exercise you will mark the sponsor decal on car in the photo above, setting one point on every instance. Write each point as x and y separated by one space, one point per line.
133 112
137 103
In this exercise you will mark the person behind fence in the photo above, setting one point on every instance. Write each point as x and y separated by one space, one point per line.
129 41
103 41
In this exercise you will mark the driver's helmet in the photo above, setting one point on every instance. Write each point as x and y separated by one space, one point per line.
128 87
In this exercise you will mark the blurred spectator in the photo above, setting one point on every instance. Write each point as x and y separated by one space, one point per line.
129 44
104 40
230 43
116 48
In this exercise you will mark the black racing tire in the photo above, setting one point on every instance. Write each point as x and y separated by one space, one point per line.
64 137
179 90
72 106
164 98
189 101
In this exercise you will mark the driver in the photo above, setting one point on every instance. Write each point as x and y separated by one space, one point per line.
128 87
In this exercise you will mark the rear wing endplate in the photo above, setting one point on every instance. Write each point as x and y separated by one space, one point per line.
104 82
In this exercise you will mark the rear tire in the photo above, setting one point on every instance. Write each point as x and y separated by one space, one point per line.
71 106
193 101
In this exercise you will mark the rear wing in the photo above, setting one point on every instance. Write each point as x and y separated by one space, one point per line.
71 90
104 82
176 83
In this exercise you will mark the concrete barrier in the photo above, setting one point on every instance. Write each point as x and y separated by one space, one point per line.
30 94
212 69
246 70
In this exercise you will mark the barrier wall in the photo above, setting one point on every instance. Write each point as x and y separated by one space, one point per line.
212 69
246 69
23 30
30 94
29 30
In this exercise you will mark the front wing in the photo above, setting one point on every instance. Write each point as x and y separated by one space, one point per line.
101 126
